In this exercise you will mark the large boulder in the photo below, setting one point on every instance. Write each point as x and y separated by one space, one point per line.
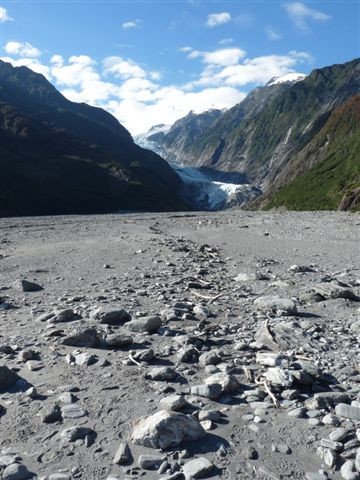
110 316
275 304
144 325
8 378
166 429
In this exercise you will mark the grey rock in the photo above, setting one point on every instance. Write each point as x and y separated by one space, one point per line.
8 378
26 286
326 400
162 374
73 411
228 382
201 312
144 325
348 471
209 358
211 391
197 468
51 414
278 377
188 355
16 471
111 316
333 290
150 462
276 305
71 434
173 403
347 411
166 429
117 340
88 337
123 454
62 316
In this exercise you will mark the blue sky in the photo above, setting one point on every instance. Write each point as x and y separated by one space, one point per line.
150 62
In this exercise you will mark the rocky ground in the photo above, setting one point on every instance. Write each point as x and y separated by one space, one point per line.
179 346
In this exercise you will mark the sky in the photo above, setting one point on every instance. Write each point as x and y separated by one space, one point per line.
150 62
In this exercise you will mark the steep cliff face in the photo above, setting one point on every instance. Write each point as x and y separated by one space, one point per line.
59 157
326 173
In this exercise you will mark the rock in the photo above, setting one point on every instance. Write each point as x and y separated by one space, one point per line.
73 411
347 411
166 429
16 471
162 374
71 434
144 325
201 313
188 355
173 403
117 340
326 400
143 355
87 338
333 290
269 359
123 454
8 378
228 382
301 269
197 468
51 414
338 434
211 391
209 358
278 377
150 462
276 305
62 316
348 471
26 286
110 316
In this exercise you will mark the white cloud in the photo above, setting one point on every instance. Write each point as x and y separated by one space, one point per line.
300 13
22 49
215 19
131 24
222 57
186 49
226 41
272 34
4 16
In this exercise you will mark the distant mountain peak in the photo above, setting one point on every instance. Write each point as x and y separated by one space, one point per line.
289 77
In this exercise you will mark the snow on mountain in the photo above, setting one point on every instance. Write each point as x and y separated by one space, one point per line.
290 77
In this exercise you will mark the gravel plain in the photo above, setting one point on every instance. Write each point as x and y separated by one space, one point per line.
214 345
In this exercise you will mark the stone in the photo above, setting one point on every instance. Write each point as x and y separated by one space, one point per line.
331 290
276 305
123 454
188 355
326 400
162 374
173 403
278 377
16 471
269 359
228 382
347 411
117 340
348 471
150 462
62 316
8 378
83 337
51 414
197 468
71 434
211 391
109 316
144 325
73 410
338 434
201 312
209 358
166 429
26 286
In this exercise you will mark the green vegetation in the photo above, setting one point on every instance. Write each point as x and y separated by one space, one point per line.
338 171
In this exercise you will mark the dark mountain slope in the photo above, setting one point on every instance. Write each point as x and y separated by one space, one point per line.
326 174
60 157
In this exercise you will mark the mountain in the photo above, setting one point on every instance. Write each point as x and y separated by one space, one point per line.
61 157
326 173
265 136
